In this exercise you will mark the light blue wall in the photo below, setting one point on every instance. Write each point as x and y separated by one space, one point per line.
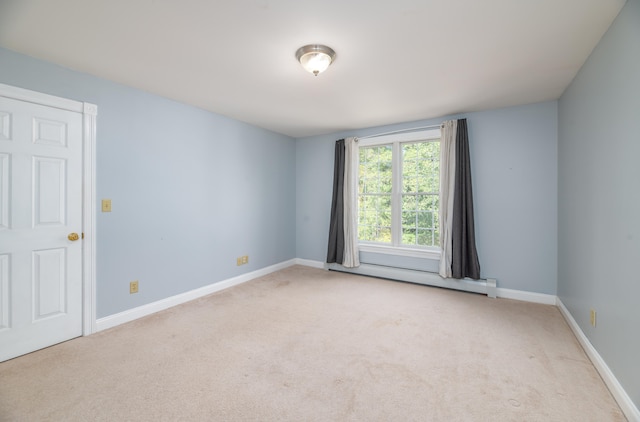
514 169
599 197
191 190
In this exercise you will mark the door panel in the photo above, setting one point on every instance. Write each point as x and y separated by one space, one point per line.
4 292
49 189
49 283
4 191
5 126
40 205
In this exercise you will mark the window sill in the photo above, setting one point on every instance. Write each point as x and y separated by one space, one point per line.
434 253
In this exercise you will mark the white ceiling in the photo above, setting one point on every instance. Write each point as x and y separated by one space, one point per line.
397 61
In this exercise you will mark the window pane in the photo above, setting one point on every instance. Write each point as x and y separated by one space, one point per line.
374 220
408 219
365 232
408 236
374 199
427 202
366 202
409 168
385 235
375 170
420 219
425 238
367 217
421 167
425 219
409 203
384 177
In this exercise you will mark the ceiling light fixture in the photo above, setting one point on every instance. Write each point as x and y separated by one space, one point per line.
315 58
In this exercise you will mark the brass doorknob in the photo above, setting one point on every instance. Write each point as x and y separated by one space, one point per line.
73 237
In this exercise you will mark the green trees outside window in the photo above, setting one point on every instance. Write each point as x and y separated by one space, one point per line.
420 193
407 192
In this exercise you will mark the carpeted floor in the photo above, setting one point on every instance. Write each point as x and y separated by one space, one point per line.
304 344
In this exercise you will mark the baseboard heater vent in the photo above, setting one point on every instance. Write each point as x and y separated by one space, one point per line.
485 286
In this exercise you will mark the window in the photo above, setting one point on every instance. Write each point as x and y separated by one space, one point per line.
399 194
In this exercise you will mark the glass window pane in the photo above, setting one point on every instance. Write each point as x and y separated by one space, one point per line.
371 233
385 202
432 182
408 236
408 203
367 202
427 202
425 219
385 235
421 167
408 219
425 238
363 232
385 218
375 170
366 217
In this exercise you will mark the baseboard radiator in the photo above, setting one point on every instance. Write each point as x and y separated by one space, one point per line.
485 286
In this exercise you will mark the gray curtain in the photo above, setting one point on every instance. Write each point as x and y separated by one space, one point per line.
335 250
464 261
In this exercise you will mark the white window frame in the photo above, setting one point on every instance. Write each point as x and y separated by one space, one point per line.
428 252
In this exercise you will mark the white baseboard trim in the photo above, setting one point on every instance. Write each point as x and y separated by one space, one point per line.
525 296
150 308
311 263
624 401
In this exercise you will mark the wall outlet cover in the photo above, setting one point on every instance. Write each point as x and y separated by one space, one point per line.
106 205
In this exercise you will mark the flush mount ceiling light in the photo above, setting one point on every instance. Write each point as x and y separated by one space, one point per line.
315 58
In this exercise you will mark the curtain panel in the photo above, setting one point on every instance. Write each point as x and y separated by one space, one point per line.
335 250
459 257
343 226
464 262
447 186
351 257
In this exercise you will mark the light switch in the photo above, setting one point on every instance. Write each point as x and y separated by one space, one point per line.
106 205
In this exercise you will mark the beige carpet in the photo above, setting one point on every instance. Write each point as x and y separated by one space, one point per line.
308 345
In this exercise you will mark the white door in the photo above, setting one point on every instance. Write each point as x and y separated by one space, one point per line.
40 209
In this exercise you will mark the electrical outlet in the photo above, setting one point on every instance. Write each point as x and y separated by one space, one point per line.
133 287
106 205
239 261
593 317
245 259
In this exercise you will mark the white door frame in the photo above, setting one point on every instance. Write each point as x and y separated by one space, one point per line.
89 113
